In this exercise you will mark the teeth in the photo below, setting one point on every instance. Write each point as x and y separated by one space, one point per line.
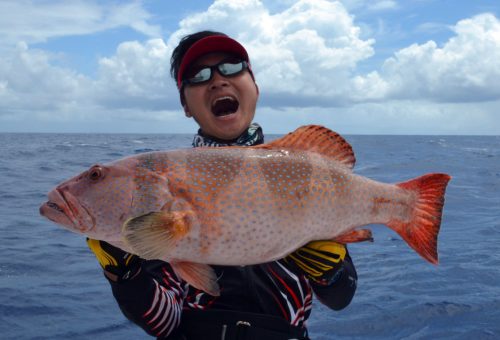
222 98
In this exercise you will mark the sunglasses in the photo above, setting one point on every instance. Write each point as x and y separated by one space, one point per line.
225 68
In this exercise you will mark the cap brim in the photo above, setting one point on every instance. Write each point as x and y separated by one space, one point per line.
210 44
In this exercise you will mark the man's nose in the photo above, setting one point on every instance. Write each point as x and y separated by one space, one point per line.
218 80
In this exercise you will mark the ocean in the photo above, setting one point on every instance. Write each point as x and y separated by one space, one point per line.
51 286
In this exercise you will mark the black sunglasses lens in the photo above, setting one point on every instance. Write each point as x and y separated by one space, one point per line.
203 75
225 69
228 69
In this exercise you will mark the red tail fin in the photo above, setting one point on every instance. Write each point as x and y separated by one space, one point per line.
422 230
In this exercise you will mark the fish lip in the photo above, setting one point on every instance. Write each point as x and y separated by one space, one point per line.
62 203
57 215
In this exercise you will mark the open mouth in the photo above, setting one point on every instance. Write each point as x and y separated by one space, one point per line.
224 106
54 206
56 212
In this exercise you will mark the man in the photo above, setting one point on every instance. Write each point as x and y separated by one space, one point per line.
266 301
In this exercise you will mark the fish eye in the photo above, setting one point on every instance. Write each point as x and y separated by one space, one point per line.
95 173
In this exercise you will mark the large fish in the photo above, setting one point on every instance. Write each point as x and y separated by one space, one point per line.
243 205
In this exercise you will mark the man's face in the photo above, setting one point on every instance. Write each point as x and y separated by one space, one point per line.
223 107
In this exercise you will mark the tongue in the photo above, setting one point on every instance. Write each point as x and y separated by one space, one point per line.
224 107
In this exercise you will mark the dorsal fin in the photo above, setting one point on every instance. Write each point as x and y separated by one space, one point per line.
317 139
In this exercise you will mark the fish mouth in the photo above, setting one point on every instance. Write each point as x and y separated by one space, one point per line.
54 206
64 209
223 106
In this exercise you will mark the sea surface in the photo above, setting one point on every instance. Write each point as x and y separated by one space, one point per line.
51 286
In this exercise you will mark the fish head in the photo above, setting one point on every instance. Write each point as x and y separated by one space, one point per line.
96 202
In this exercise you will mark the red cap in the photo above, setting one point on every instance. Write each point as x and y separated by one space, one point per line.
213 43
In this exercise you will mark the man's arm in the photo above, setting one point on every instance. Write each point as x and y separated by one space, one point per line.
338 294
330 271
147 292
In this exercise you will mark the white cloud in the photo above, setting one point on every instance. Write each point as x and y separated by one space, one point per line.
393 117
432 27
370 5
466 68
137 76
37 21
310 47
306 57
383 5
135 80
30 83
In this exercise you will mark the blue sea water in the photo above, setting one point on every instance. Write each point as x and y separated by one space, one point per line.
51 286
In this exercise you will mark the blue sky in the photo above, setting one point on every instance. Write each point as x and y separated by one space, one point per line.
356 66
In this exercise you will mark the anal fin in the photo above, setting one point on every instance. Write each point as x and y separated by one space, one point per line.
358 235
198 275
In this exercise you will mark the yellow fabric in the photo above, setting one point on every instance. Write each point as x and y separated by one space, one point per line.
103 257
318 257
329 247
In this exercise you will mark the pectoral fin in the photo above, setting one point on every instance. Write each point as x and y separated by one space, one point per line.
198 275
153 235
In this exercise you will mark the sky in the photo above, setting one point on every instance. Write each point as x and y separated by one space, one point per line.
355 66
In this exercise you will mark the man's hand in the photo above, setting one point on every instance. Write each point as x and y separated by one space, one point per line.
117 264
320 261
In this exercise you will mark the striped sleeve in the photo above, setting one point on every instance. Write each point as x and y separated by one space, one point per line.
153 300
292 293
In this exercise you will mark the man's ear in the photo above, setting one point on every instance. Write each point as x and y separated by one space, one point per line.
257 87
186 111
184 105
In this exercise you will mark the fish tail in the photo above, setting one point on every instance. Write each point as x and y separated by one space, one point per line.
422 230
